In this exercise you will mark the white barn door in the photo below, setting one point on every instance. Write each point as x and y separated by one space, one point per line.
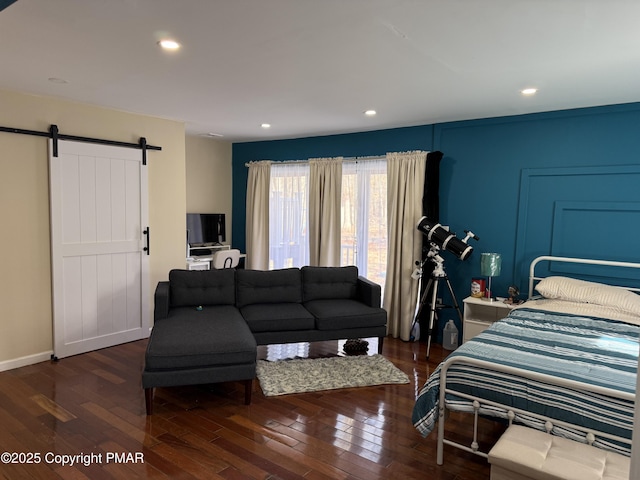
99 264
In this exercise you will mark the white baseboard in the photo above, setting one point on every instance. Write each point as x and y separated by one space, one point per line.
24 361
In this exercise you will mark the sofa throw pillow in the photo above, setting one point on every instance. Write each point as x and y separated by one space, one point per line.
268 286
202 287
319 283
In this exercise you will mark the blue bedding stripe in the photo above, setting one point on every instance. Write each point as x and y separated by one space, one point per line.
591 350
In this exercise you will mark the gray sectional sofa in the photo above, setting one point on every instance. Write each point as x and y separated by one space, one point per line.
207 324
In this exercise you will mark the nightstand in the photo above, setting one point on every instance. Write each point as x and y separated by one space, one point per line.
479 314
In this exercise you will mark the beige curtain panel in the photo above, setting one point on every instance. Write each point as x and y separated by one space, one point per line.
405 187
325 191
258 215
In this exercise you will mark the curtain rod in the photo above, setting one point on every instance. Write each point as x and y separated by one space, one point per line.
344 159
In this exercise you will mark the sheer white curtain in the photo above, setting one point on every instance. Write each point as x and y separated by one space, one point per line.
325 179
289 215
364 217
405 177
257 224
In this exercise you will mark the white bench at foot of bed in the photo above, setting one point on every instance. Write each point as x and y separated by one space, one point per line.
523 453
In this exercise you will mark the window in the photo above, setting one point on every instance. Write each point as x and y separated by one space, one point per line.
363 216
288 216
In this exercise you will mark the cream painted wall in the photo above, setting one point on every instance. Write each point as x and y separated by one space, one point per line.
209 181
25 280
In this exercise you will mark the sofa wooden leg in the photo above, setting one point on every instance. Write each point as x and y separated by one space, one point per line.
380 344
248 390
148 400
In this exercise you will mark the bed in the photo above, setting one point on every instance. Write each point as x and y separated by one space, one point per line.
565 361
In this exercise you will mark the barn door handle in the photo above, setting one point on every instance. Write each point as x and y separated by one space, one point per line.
148 234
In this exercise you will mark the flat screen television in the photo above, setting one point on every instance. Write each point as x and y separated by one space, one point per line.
205 229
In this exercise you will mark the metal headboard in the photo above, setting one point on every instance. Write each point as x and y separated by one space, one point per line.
586 261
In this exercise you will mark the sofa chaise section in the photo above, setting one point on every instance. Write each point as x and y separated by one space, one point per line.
199 336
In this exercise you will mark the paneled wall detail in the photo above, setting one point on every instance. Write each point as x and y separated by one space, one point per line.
578 212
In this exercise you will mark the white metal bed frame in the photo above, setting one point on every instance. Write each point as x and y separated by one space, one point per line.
590 434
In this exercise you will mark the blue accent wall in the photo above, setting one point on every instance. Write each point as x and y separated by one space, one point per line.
5 3
585 156
523 183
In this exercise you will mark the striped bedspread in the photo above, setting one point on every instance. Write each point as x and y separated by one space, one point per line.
590 350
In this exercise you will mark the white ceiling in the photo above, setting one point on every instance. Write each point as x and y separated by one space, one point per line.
312 67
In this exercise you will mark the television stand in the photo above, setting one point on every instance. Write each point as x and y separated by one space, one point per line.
205 250
199 258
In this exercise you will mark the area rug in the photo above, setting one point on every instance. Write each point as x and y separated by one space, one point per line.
312 375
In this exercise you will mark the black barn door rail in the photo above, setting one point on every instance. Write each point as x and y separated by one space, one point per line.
55 135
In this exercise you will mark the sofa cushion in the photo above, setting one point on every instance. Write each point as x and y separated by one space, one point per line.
189 338
271 317
271 286
329 282
345 313
202 287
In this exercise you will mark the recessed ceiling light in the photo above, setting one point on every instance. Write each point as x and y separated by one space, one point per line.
168 44
266 125
529 91
370 113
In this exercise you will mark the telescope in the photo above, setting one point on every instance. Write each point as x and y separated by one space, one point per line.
446 240
440 238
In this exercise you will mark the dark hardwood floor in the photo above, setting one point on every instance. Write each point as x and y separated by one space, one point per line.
89 409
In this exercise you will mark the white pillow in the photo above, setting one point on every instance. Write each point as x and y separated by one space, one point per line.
581 291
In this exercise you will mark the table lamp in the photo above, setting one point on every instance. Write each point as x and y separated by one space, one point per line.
490 266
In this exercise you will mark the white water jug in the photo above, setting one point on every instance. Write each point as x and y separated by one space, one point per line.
450 336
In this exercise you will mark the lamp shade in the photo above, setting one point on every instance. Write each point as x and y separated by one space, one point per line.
490 264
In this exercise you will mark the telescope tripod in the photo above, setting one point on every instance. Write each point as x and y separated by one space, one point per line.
437 275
